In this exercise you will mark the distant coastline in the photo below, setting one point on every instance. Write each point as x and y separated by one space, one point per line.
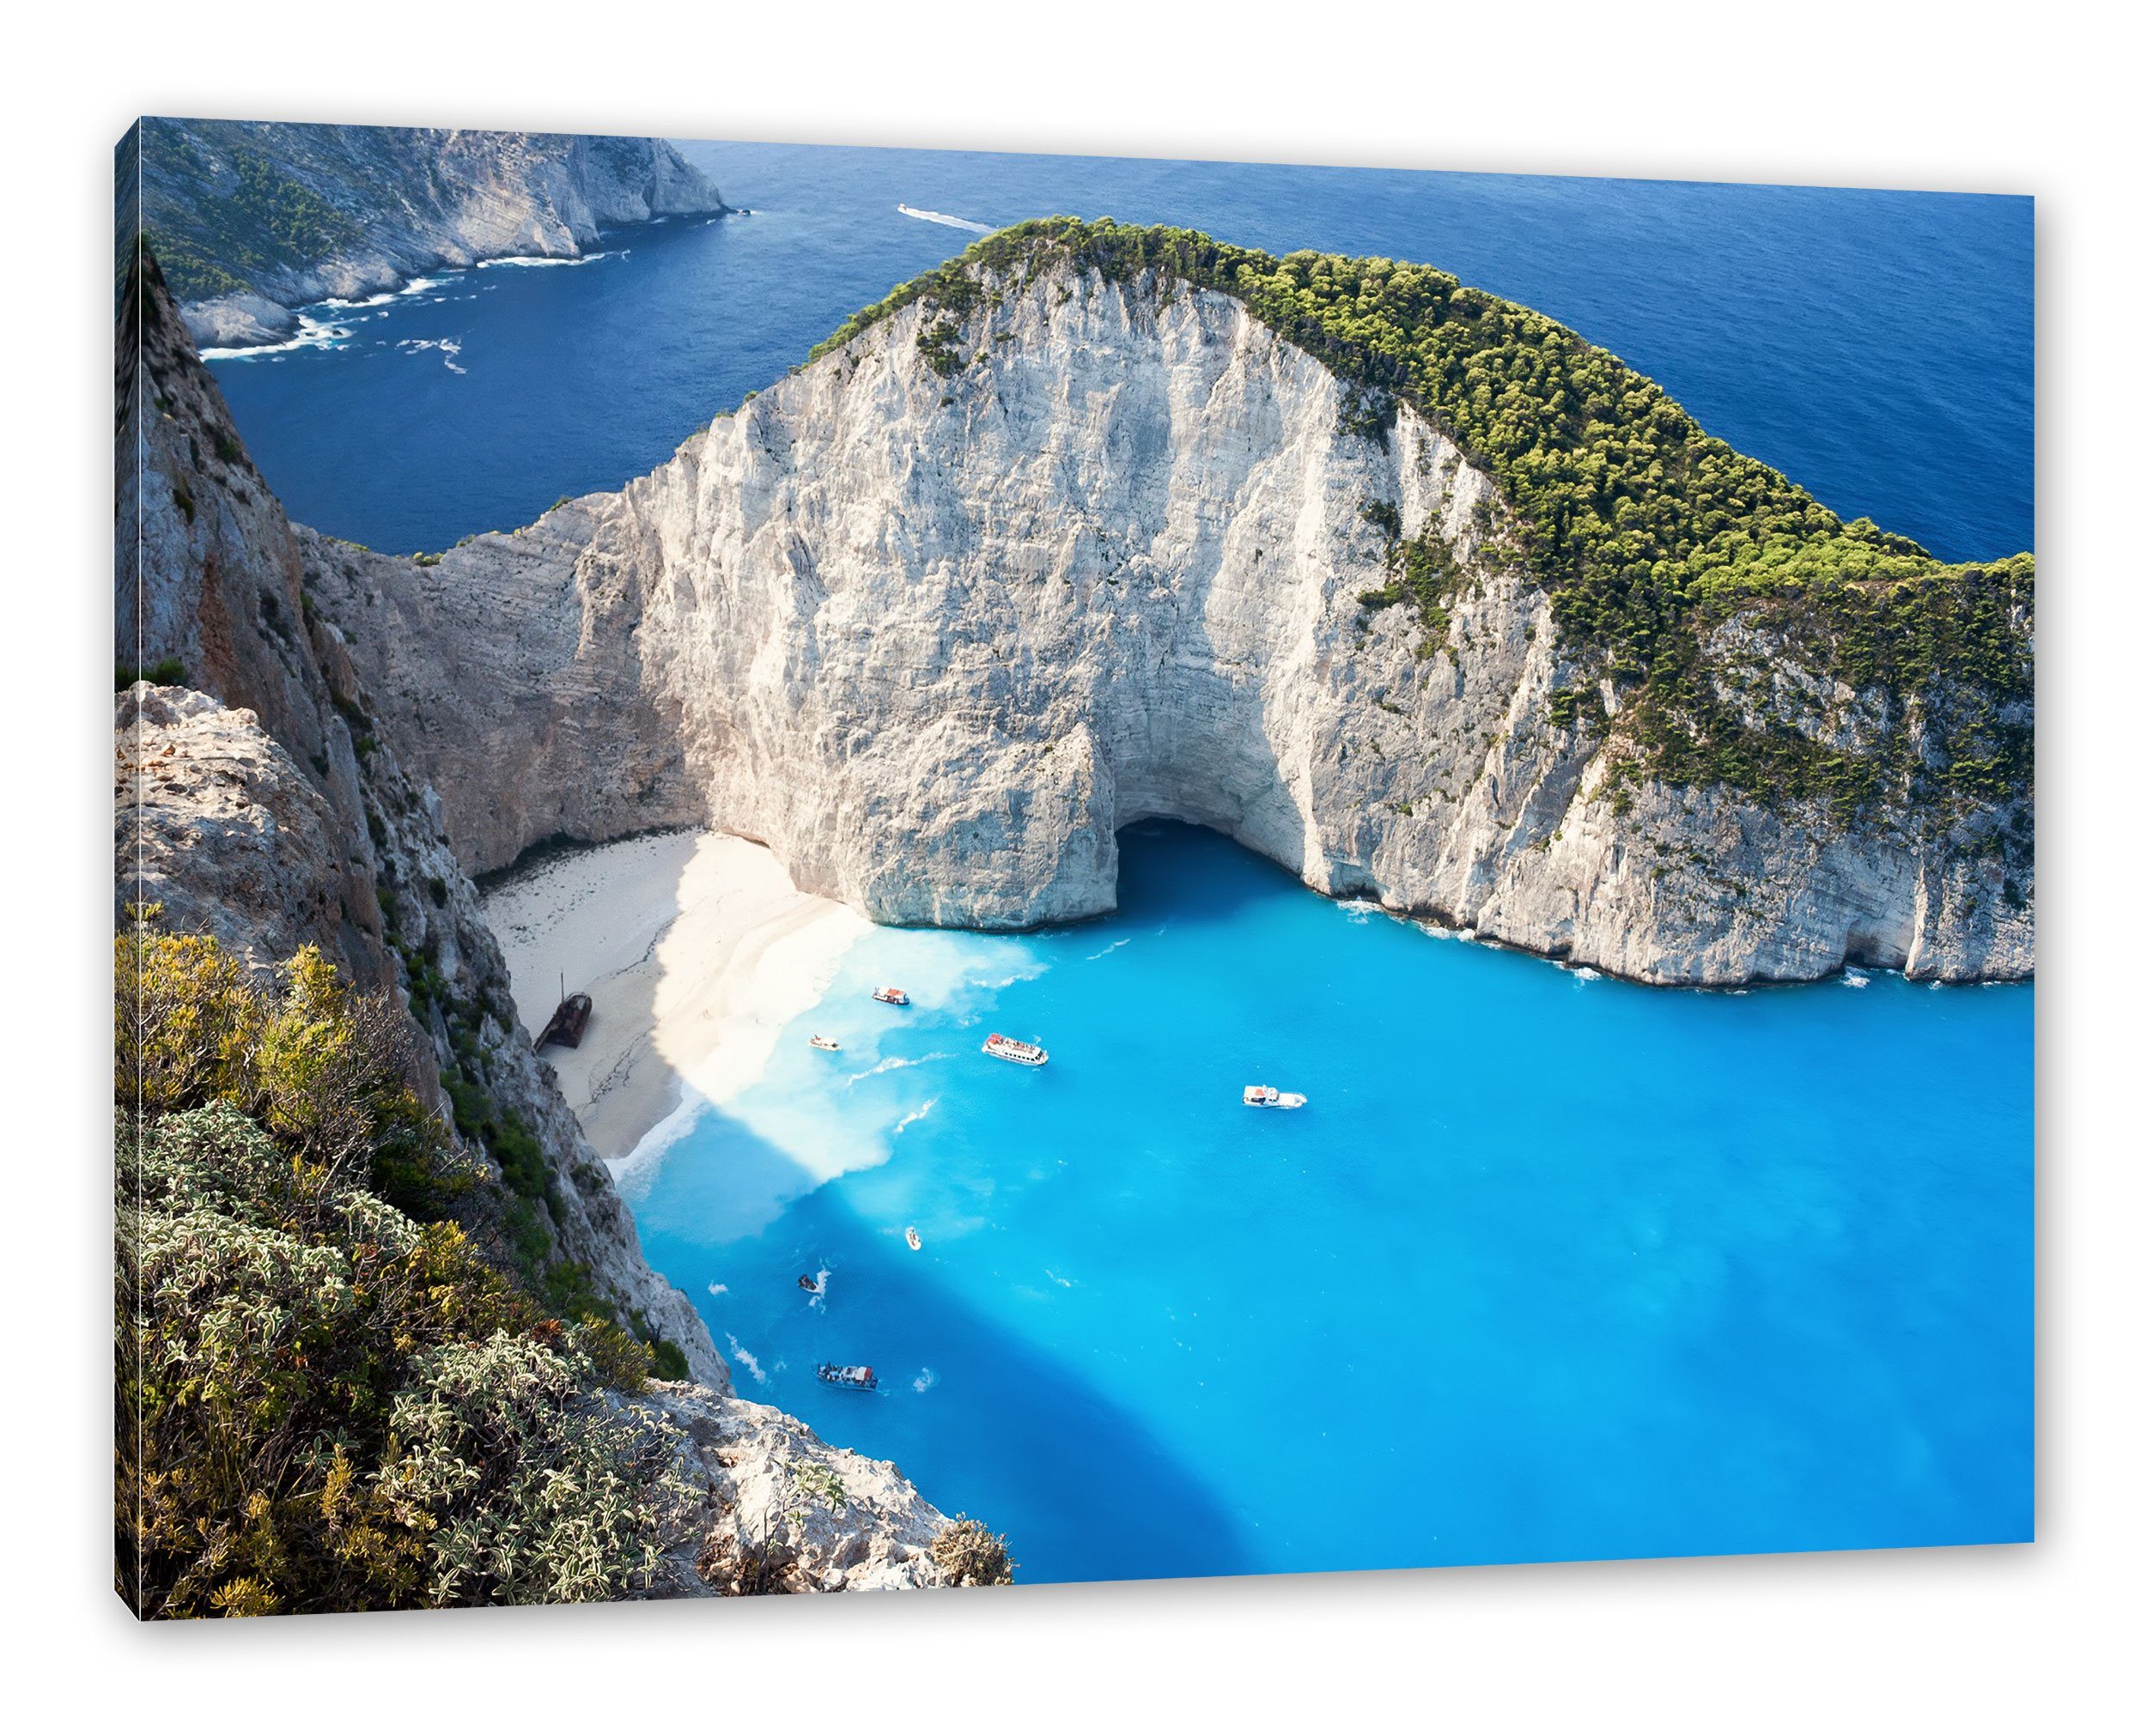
253 221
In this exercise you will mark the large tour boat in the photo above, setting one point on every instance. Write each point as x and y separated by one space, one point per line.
893 997
1010 1049
859 1379
1266 1097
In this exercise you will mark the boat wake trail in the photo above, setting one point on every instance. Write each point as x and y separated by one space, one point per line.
926 1382
894 1063
916 1114
745 1359
942 217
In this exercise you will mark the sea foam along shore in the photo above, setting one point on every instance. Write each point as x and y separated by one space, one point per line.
695 950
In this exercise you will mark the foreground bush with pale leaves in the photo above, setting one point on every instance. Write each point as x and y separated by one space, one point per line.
323 1403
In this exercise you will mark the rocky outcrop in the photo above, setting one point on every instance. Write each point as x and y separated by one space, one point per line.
254 219
784 1512
937 615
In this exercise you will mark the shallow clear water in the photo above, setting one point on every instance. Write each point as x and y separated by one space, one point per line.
1549 1266
1876 346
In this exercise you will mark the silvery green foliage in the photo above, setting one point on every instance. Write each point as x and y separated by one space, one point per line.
546 1493
281 1333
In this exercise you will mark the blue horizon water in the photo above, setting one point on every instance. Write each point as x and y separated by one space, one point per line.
1551 1267
1877 347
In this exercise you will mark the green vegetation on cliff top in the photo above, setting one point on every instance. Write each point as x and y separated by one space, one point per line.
220 221
1655 541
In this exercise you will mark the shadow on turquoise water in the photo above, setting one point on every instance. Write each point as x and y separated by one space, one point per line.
1082 1486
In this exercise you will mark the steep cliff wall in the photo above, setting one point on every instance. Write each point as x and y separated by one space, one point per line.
253 219
255 798
937 614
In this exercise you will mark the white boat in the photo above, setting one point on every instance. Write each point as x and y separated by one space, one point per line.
828 1043
892 996
1009 1049
1266 1097
854 1376
911 1236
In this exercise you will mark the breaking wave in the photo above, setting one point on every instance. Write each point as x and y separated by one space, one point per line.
533 259
312 334
916 1114
449 348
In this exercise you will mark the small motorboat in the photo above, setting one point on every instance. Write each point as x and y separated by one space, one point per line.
858 1379
1010 1049
911 1236
892 997
809 1284
827 1043
1266 1097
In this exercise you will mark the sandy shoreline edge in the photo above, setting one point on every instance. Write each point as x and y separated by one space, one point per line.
695 948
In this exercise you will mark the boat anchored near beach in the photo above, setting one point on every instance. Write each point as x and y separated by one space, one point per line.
1266 1097
827 1043
1010 1049
911 1236
892 997
857 1377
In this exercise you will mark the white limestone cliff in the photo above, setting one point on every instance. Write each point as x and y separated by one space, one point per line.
934 617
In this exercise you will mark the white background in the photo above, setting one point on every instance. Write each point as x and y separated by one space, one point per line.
2040 101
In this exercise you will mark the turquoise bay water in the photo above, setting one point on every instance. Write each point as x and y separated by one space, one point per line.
1550 1267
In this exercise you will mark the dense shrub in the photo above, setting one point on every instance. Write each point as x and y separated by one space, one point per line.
321 1068
321 1403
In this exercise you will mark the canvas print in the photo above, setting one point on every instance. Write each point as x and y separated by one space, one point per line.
842 870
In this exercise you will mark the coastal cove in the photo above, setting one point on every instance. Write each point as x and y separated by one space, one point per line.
1551 1266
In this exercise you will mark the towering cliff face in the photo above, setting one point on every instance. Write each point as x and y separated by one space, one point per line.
253 219
937 615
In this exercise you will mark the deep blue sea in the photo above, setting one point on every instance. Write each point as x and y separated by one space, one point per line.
1877 347
1550 1267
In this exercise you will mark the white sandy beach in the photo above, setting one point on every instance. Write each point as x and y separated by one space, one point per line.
695 948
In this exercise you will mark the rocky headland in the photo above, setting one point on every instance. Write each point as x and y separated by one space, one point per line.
252 220
1055 546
